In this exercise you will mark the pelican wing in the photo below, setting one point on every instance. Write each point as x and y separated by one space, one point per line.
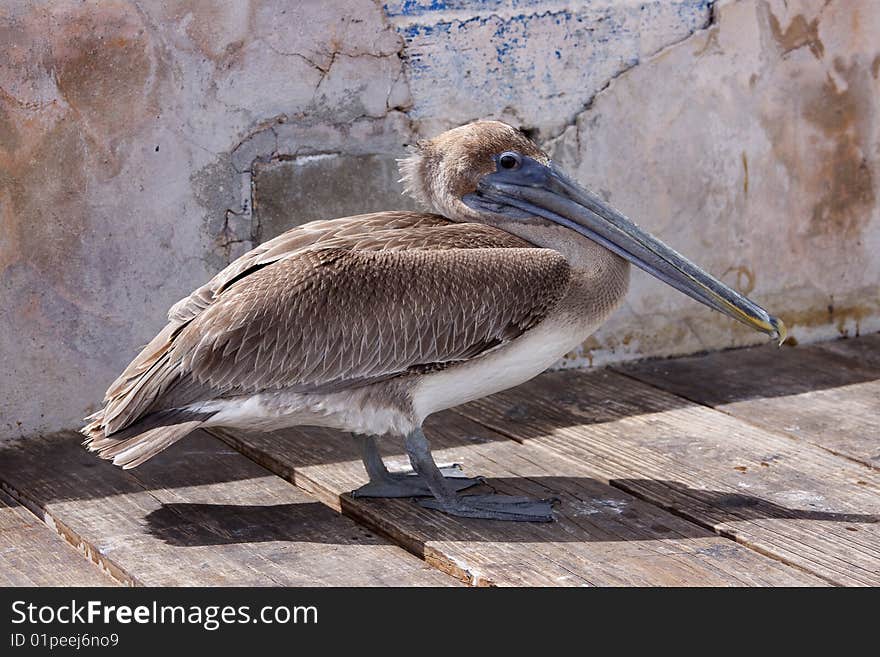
336 318
335 304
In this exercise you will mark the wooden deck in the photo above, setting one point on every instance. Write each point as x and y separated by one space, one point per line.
747 467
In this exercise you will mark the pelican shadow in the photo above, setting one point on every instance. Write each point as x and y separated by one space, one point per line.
193 524
590 517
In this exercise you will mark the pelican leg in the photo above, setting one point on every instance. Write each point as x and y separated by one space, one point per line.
403 484
447 499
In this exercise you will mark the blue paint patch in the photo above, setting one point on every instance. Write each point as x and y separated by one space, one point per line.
484 61
424 7
413 8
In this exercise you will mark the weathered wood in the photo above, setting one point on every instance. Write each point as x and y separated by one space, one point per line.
828 396
603 536
200 514
782 497
864 351
31 554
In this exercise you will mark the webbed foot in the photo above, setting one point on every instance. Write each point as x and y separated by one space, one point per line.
495 507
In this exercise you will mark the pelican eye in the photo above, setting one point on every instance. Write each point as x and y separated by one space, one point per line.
509 161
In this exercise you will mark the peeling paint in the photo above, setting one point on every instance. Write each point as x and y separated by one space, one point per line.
840 113
798 34
536 63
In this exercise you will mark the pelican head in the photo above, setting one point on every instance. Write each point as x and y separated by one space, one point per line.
489 172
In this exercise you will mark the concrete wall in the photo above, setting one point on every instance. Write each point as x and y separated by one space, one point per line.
145 144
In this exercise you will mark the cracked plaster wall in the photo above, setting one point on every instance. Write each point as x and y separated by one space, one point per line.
143 145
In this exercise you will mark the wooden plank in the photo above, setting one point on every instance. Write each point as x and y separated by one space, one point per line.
782 497
863 350
602 536
200 514
31 554
824 395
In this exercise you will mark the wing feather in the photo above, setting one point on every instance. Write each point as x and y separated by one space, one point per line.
310 316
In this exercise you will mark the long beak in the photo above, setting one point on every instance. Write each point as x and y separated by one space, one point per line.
536 189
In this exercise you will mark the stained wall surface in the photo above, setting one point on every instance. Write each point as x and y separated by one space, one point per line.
143 145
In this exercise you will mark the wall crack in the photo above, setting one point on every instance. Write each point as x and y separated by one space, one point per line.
551 141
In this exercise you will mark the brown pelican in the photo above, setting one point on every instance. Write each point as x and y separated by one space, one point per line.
371 323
